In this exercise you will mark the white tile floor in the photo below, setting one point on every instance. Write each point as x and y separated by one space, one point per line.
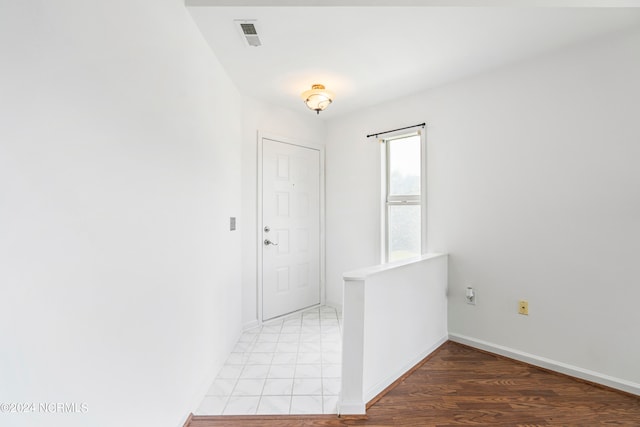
287 366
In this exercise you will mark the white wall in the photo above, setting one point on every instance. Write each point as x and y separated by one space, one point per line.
533 173
303 126
353 197
120 159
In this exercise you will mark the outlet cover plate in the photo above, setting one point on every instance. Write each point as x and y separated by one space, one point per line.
523 307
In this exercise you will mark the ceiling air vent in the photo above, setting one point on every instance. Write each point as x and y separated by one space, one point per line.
249 32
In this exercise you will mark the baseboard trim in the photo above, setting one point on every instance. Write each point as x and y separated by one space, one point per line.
382 385
333 304
250 325
204 385
188 420
551 365
351 409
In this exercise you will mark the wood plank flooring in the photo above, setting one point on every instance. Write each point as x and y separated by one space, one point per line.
459 385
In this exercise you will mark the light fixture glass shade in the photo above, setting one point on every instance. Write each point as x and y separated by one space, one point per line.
317 98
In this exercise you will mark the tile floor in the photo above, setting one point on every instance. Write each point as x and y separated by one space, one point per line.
286 366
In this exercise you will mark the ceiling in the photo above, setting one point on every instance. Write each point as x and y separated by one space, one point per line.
370 54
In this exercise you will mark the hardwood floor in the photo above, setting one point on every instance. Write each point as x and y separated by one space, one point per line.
459 385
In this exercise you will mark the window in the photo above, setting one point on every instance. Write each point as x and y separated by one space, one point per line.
404 204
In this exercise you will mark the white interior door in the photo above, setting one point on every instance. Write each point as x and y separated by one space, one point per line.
290 228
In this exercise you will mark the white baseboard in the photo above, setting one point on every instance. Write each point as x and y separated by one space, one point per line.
351 408
381 385
563 368
333 304
250 325
203 387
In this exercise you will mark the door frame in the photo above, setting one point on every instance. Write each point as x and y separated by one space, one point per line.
304 144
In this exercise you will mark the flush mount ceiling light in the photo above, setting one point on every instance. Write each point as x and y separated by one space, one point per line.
317 98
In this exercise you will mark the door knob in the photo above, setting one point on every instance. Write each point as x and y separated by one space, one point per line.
268 242
267 229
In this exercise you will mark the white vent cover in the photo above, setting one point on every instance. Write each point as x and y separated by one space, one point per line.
249 32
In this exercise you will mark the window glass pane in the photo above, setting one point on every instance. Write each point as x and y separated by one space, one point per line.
404 166
404 231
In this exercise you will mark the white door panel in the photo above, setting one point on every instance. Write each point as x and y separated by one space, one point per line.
291 212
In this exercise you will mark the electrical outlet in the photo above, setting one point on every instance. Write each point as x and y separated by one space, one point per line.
523 307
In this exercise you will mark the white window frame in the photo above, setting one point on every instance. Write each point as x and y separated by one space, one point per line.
387 200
